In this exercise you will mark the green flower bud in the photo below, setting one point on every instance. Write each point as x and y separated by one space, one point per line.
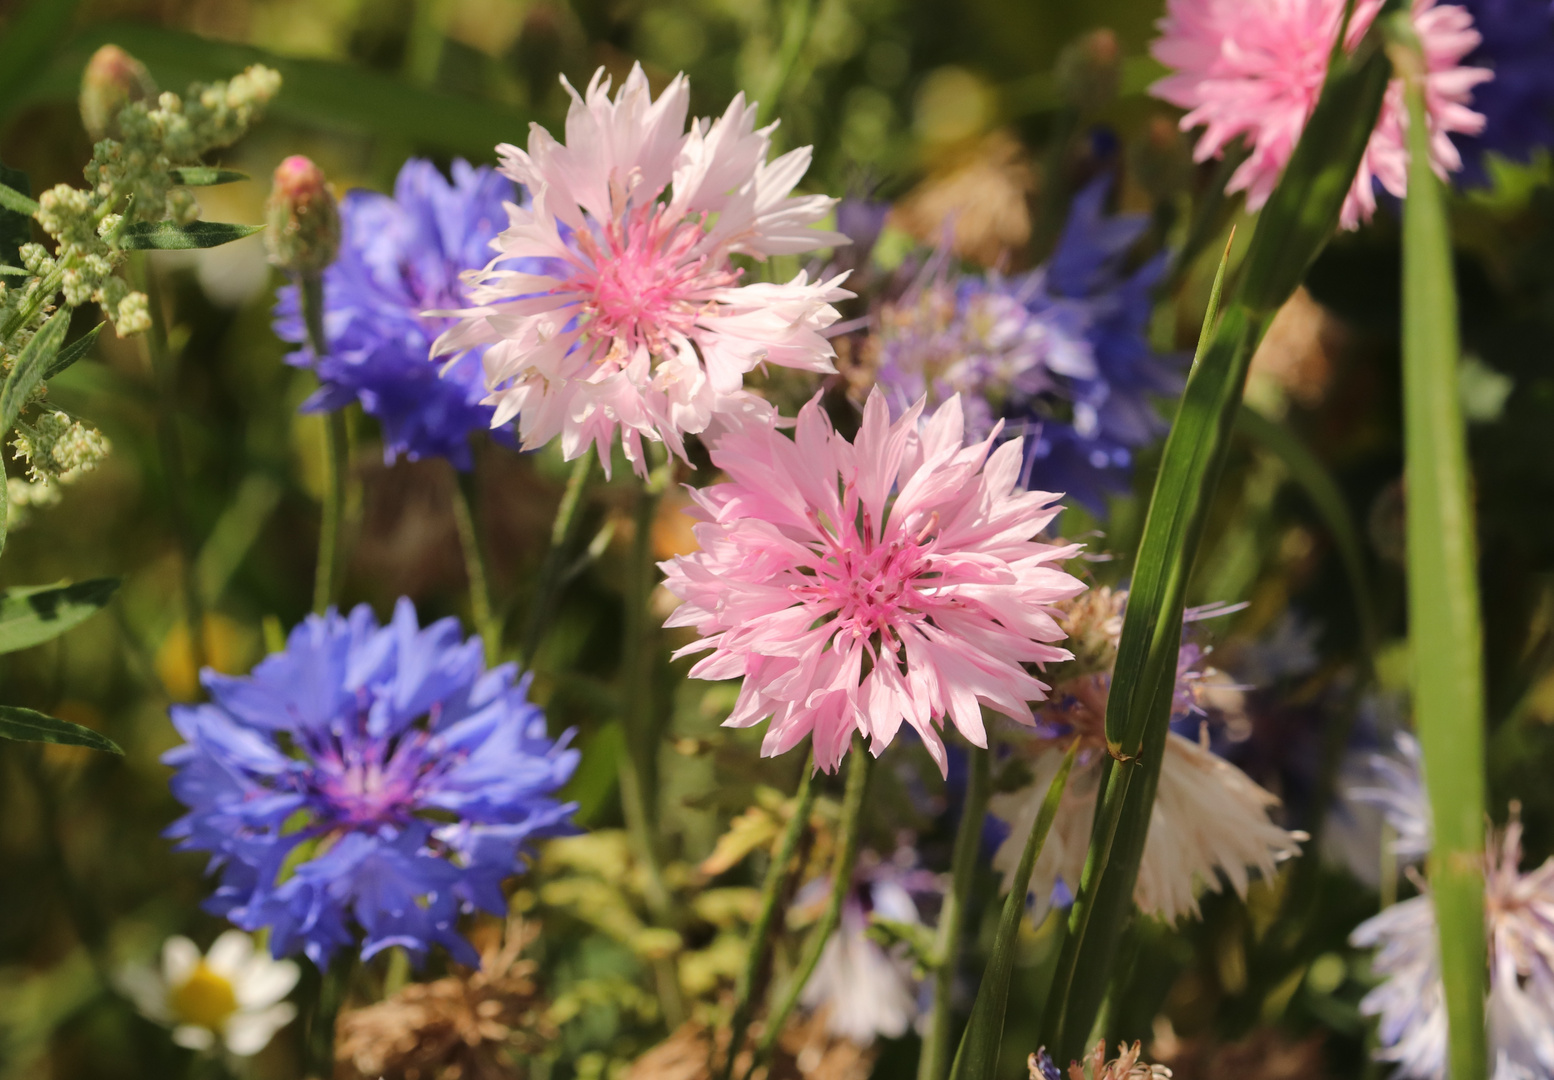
303 219
1088 70
113 78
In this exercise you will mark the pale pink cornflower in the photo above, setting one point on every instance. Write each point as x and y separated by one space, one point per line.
1254 69
854 586
613 303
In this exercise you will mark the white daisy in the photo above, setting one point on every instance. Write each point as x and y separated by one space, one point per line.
233 994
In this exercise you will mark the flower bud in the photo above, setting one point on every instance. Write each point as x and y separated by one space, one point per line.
304 222
1088 70
112 79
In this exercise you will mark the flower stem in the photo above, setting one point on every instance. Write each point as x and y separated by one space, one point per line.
858 767
638 765
773 889
466 490
552 576
935 1059
337 452
334 985
164 374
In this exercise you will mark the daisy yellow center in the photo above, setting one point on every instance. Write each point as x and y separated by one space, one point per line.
205 999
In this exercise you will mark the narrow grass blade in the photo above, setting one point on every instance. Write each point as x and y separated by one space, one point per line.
25 725
977 1057
16 202
31 616
1318 484
1444 631
1292 229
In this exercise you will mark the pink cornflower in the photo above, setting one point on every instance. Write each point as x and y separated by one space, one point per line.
627 311
1254 69
854 586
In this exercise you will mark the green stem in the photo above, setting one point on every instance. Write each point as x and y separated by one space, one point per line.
795 32
552 571
1445 635
334 985
773 890
466 489
859 764
638 765
164 374
337 452
935 1059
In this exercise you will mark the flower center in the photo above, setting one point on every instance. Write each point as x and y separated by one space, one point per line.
872 589
206 999
362 780
642 284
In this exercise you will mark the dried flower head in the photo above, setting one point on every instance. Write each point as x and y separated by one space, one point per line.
467 1026
1095 1066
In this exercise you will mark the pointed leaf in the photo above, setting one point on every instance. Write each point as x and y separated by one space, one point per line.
73 352
168 236
36 358
31 616
26 725
205 176
15 222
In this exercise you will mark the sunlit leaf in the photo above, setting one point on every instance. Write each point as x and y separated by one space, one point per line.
33 615
26 725
169 236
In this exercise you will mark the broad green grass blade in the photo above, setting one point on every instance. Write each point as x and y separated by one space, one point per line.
977 1057
316 93
30 616
1319 486
1444 632
1292 229
25 725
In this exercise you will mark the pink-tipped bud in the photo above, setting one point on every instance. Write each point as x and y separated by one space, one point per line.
1088 70
112 79
303 219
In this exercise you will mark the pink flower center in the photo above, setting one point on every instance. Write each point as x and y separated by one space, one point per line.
865 588
640 281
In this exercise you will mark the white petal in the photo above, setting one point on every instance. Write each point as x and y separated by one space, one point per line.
180 957
247 1033
264 981
194 1038
229 953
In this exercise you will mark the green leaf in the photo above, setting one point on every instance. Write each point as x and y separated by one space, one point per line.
1445 634
169 236
206 176
26 725
33 615
316 93
1291 231
977 1057
1307 471
73 352
27 372
15 221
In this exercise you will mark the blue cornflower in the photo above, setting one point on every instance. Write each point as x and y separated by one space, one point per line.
400 258
366 780
1059 354
1518 103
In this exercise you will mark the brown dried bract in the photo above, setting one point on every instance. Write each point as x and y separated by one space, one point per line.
806 1051
464 1027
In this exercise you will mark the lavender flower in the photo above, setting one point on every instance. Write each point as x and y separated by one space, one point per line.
1060 354
1518 103
399 259
366 775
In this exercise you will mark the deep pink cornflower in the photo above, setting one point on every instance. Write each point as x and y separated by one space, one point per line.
1254 69
857 585
639 320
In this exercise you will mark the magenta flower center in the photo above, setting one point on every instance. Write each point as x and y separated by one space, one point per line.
360 781
640 281
868 588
